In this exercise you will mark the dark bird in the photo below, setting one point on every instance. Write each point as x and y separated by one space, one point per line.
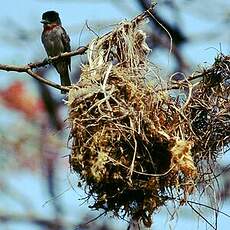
56 41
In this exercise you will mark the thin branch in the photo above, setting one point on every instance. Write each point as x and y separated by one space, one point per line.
45 81
79 51
199 214
209 207
28 68
90 221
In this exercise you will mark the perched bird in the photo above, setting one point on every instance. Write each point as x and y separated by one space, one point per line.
56 41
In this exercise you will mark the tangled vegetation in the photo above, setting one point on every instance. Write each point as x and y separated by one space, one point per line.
135 143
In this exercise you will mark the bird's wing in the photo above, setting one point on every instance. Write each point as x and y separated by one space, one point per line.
66 43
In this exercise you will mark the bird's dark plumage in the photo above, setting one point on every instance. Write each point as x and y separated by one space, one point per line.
51 16
56 41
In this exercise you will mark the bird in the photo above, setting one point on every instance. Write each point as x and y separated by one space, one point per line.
56 41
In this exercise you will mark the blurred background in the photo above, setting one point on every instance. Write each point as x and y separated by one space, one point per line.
37 188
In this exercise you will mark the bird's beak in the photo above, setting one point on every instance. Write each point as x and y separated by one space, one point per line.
44 21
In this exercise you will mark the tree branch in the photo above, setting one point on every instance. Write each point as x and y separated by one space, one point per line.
45 81
79 51
28 68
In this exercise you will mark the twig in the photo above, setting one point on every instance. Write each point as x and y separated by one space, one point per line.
208 222
209 207
90 221
79 51
45 81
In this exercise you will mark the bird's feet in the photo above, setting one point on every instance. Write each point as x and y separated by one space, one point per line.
48 60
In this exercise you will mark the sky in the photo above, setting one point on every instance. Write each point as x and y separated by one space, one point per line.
22 20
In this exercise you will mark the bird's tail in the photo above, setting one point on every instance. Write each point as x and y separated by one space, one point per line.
63 70
65 80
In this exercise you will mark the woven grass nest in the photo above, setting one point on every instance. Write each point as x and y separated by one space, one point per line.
134 145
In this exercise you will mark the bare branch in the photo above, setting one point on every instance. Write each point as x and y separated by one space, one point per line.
45 81
79 51
28 68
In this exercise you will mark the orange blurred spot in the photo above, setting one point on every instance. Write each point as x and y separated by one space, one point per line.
17 98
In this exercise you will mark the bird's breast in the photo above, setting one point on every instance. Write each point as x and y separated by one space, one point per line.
52 41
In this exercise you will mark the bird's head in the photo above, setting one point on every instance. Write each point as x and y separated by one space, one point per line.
50 18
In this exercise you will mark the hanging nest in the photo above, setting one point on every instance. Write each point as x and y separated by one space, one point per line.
134 145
